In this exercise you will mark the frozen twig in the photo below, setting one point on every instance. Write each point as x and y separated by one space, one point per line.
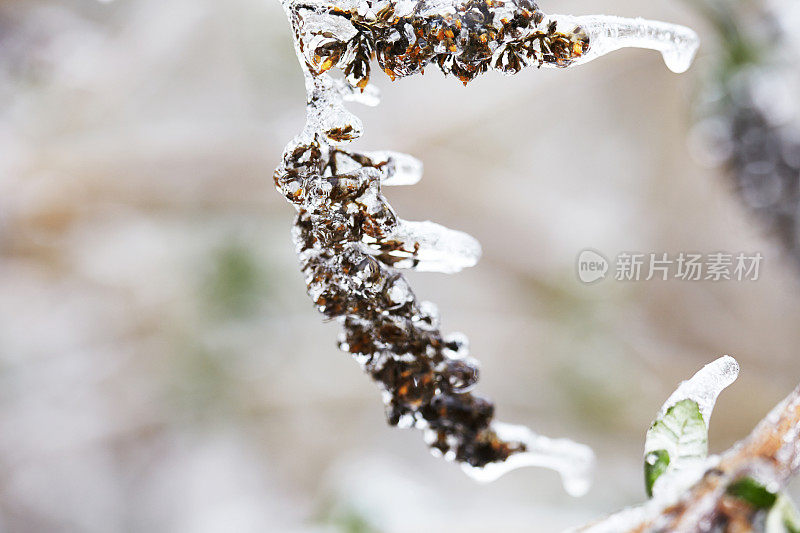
352 245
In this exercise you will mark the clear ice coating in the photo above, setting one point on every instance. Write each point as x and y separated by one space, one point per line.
430 247
401 169
573 461
682 434
351 244
697 496
705 386
678 44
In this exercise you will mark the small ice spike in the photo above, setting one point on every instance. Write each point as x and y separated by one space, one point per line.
573 461
353 247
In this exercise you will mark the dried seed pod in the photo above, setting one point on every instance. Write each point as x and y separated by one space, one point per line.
350 241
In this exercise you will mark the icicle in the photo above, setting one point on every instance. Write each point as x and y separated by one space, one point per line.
573 461
427 247
677 44
400 169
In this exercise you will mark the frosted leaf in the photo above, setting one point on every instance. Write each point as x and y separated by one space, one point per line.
678 439
705 386
674 441
575 462
740 489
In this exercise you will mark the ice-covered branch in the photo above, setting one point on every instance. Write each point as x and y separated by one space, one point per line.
353 247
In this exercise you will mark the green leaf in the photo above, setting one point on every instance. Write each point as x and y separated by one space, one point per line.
678 437
655 464
782 515
753 492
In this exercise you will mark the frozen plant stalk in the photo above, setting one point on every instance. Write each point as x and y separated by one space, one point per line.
351 244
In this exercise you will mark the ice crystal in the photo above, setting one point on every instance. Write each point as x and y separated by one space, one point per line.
352 245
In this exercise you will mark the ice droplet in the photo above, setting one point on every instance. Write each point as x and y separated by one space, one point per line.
461 374
573 461
398 292
456 345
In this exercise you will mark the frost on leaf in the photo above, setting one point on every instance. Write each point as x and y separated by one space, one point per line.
678 438
740 490
352 245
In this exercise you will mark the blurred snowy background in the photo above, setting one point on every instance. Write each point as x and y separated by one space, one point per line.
161 367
